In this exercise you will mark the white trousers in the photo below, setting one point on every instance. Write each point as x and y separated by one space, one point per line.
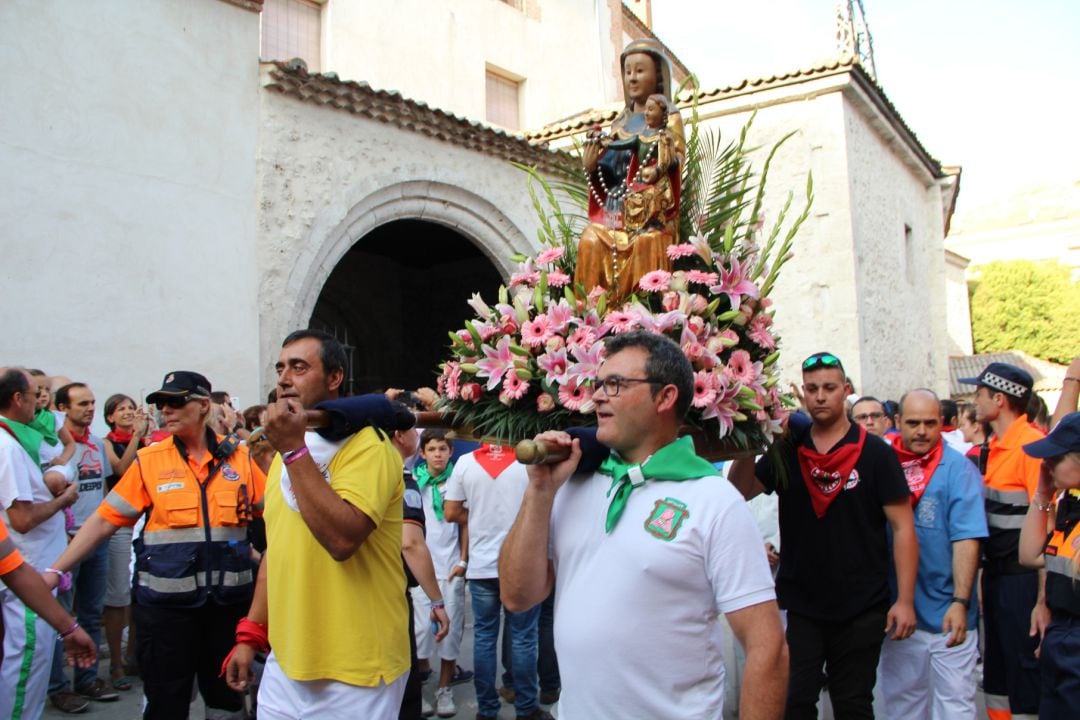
28 652
453 592
281 698
921 678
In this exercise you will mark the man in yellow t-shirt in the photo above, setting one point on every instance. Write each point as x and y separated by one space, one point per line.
331 591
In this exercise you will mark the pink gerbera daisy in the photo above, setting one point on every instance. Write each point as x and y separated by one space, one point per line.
536 332
620 321
557 278
705 385
679 250
740 368
655 281
701 277
576 397
514 386
760 333
549 256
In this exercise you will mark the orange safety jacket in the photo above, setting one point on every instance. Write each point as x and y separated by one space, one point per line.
1011 478
1062 549
195 544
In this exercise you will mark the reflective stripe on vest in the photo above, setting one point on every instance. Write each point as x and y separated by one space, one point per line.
193 535
117 502
1006 509
193 582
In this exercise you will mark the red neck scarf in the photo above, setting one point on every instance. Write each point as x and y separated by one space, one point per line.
918 469
825 474
948 428
494 458
83 439
120 436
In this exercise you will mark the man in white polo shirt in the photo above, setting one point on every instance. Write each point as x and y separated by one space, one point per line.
483 494
648 551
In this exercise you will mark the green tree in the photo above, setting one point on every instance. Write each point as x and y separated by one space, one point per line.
1028 306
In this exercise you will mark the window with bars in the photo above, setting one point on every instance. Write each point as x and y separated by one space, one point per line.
290 29
503 101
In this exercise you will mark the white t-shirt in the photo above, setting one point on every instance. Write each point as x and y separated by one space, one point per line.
649 594
322 451
93 467
493 507
442 537
20 479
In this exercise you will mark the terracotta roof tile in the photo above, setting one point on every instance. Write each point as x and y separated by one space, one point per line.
293 80
1047 375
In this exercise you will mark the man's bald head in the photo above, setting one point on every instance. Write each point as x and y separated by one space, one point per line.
920 420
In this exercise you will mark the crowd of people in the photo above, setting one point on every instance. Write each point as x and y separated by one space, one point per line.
322 550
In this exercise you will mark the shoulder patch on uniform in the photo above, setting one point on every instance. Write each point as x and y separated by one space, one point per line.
229 472
413 498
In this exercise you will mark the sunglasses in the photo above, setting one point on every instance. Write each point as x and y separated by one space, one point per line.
820 360
174 403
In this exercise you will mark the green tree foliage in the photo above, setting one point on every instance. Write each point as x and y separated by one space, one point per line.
1028 306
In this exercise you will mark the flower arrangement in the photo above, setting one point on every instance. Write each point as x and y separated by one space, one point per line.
527 363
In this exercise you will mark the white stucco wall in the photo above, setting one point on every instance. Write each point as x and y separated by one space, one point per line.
900 281
957 305
438 52
815 300
127 190
327 177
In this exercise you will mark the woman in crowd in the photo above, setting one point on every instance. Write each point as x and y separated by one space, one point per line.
1050 538
127 433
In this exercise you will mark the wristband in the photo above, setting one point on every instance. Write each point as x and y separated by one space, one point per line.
437 604
463 564
1043 507
293 455
64 584
73 628
966 602
1069 377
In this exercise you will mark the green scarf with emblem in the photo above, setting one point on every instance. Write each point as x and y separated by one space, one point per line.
675 461
29 436
424 478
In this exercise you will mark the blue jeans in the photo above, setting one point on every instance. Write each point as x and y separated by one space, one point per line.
88 592
523 641
548 663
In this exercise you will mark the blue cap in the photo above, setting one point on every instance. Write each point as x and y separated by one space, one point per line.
1065 438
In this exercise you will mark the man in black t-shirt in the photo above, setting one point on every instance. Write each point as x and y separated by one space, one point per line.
838 489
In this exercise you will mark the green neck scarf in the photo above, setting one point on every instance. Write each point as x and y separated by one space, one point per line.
675 462
424 478
45 423
28 436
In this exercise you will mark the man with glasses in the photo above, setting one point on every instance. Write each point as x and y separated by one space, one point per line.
839 488
647 551
870 413
1014 615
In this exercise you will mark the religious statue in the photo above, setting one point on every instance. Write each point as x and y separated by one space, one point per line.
634 179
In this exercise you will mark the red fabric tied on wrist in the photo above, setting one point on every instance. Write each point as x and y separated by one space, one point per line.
248 632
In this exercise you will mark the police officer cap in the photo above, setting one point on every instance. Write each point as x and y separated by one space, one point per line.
180 384
1003 377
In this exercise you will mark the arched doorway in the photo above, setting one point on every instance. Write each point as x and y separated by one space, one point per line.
393 296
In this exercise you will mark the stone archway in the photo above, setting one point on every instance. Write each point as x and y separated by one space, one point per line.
394 295
484 237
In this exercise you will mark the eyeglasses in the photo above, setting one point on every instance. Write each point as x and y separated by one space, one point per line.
863 417
613 383
818 360
175 403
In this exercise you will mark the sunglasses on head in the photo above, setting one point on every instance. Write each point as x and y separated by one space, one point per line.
820 360
175 403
